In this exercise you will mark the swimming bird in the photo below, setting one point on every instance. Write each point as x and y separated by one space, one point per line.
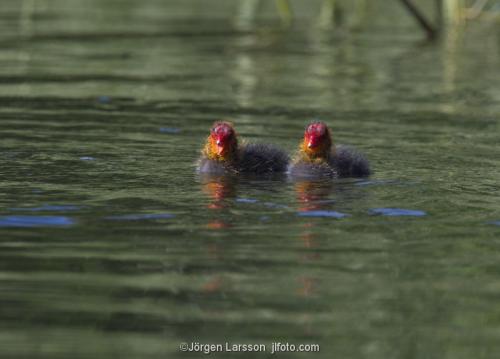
224 153
319 157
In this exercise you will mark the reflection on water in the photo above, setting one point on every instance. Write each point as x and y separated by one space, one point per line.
220 191
312 198
396 212
35 221
112 246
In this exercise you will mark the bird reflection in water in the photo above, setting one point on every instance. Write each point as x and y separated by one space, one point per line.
218 189
311 196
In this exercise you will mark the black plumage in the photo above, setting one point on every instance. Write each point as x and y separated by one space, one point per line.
262 158
253 158
348 162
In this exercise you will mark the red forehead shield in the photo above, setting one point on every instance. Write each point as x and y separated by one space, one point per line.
315 133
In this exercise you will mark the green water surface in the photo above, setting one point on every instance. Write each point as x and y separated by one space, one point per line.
112 247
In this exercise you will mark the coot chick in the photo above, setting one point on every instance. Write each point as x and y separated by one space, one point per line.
223 153
319 157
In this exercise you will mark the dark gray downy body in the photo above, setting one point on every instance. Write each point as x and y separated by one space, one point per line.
346 162
255 158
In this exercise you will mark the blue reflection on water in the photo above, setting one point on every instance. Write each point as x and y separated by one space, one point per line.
246 200
170 130
395 212
35 221
329 214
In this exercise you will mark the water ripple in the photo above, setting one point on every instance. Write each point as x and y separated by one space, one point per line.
139 217
47 208
170 130
246 200
35 221
396 212
329 214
